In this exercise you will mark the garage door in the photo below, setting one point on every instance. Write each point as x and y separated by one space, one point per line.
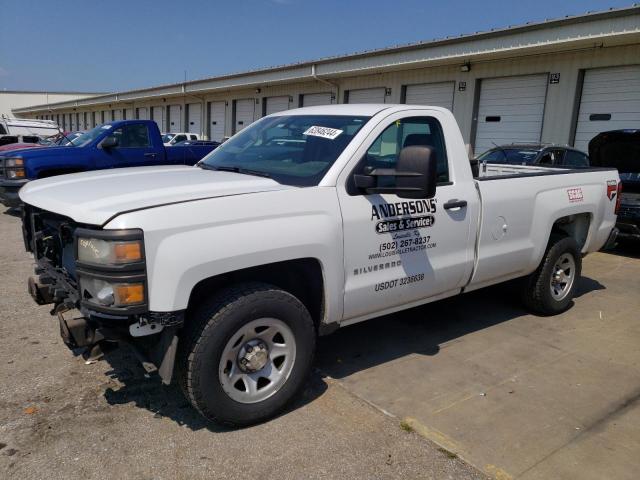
143 113
314 99
367 95
217 112
610 101
195 114
175 118
73 121
434 94
277 104
128 114
107 115
117 114
510 111
244 113
158 117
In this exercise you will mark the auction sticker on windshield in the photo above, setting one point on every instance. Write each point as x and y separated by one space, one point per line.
323 132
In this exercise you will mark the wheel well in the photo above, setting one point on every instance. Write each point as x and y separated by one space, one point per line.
301 277
575 226
58 171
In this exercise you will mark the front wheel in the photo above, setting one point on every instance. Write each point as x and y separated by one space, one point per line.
246 353
550 289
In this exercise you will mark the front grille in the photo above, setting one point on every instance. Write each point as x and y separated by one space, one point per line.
49 236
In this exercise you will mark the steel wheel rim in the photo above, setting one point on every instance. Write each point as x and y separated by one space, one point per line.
562 276
239 380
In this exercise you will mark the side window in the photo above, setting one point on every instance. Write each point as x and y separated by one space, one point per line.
576 159
193 137
132 136
180 138
546 159
407 132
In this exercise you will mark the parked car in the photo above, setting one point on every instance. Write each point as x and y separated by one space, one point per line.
63 138
223 275
169 139
21 130
620 149
536 154
125 143
197 142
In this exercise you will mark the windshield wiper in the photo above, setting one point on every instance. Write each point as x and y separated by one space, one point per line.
245 171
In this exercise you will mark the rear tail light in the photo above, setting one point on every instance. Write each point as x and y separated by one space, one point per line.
618 197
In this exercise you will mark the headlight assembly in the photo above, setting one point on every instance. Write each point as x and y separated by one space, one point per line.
111 270
14 168
109 252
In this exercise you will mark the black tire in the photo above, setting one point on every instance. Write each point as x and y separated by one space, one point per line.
536 288
211 327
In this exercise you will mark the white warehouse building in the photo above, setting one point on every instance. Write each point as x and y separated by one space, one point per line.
559 81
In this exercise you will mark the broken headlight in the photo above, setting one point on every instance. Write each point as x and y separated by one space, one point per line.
100 251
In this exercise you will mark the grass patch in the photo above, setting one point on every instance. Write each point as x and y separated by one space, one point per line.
406 426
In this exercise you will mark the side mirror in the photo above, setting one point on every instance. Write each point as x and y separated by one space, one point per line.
109 142
416 174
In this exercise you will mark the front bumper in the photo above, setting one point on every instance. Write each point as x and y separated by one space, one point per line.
9 192
81 327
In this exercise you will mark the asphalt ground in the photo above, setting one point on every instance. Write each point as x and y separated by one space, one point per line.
432 392
63 419
516 395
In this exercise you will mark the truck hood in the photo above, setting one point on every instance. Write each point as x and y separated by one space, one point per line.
50 151
95 197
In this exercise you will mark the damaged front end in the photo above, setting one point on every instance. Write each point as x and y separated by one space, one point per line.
97 282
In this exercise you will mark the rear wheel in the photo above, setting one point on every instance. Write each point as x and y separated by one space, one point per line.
247 352
550 289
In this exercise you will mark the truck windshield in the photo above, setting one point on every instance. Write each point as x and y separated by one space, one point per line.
88 137
291 149
167 137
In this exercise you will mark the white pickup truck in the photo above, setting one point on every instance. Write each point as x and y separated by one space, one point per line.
223 274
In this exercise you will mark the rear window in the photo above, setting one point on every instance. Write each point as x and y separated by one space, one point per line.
515 156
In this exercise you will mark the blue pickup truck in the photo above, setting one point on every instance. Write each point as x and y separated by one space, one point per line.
126 143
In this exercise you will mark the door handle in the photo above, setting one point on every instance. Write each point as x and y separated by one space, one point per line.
153 155
455 204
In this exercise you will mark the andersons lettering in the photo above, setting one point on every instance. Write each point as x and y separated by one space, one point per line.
423 208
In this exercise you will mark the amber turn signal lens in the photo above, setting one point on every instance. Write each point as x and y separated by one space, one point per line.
127 252
130 294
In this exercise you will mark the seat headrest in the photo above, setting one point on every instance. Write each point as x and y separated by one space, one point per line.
424 139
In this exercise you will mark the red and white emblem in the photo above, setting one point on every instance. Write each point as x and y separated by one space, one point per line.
612 189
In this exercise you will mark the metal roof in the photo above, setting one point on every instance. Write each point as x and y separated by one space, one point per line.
570 29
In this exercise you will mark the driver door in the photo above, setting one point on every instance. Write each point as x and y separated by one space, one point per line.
134 148
399 251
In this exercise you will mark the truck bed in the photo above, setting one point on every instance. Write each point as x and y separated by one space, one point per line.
517 215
